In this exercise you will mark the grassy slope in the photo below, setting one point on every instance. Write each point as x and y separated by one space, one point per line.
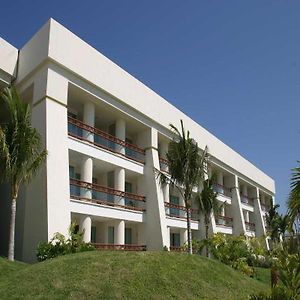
126 275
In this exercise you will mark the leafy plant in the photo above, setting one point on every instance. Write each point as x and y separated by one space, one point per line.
59 245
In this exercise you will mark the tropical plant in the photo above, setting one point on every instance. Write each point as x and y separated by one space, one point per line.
272 222
59 245
186 170
21 152
294 199
208 204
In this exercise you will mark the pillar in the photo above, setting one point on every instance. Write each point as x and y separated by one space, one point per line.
120 232
89 119
245 190
87 176
119 179
86 227
220 178
246 216
121 134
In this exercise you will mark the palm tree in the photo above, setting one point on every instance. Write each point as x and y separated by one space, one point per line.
272 222
208 204
294 199
283 225
21 152
186 170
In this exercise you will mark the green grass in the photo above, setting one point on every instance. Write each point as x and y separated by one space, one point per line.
127 275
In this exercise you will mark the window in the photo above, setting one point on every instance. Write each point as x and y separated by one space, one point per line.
128 236
174 211
175 239
93 234
128 189
111 235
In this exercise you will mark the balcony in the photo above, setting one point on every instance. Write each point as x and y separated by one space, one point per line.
103 140
106 196
178 211
125 247
246 200
265 208
164 165
223 190
224 221
250 226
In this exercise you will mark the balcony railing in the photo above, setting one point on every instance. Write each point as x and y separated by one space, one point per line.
178 211
176 249
250 226
125 247
104 140
224 221
223 190
247 200
264 208
106 196
164 164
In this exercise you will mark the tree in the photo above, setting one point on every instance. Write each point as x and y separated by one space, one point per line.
186 170
272 222
21 152
294 199
208 204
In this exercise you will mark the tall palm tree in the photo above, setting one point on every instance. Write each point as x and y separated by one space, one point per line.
208 204
186 170
294 199
21 152
272 222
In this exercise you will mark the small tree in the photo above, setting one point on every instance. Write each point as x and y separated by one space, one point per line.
208 204
21 152
186 170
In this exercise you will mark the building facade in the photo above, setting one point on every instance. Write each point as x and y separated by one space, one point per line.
106 133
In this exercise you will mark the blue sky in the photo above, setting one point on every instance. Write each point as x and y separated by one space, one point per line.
233 66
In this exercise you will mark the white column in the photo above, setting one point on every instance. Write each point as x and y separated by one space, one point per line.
244 190
87 175
183 236
120 232
220 178
85 226
246 215
119 179
121 134
89 119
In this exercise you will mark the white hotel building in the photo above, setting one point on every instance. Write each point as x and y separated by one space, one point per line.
106 132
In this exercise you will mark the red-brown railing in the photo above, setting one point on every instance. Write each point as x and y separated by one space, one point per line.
250 226
178 211
223 190
105 140
164 164
247 200
176 249
106 196
125 247
224 221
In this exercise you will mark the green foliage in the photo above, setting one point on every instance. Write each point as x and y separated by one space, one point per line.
59 245
239 252
294 198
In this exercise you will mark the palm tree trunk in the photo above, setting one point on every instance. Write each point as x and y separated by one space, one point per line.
188 220
206 236
11 242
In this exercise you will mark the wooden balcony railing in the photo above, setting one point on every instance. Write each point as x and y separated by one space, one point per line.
106 196
176 249
223 190
164 164
125 247
250 226
224 221
104 140
247 200
178 211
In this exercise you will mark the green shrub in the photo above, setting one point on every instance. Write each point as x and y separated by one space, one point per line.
59 245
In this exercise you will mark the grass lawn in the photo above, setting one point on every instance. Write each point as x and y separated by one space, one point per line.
127 275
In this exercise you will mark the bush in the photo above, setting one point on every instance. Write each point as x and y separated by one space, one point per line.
239 252
59 245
